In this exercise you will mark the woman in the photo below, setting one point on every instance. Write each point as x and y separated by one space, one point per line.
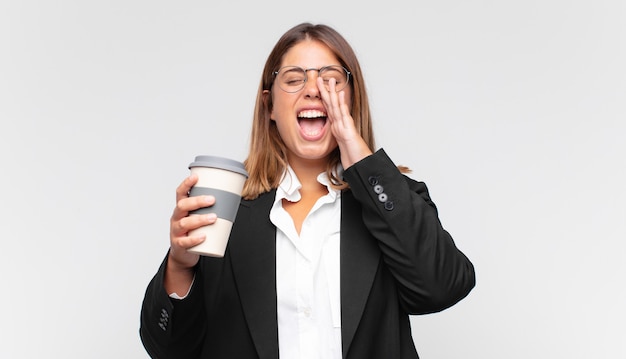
332 248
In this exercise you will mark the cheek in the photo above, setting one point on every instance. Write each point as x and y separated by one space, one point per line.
348 98
280 107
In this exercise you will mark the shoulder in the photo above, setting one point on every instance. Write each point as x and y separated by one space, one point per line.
261 200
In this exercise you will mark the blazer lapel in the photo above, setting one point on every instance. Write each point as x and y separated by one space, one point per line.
253 256
359 258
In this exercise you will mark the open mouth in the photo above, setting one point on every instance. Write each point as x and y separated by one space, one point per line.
312 122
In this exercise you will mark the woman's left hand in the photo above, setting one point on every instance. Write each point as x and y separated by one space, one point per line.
351 145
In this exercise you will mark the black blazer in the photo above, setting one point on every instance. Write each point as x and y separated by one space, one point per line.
396 260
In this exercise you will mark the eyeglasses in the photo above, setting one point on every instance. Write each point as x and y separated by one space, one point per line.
292 78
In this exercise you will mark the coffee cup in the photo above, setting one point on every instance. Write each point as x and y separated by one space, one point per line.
222 178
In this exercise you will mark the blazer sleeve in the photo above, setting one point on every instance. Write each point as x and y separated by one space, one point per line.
172 328
430 272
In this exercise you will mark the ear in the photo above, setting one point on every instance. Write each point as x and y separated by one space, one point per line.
267 101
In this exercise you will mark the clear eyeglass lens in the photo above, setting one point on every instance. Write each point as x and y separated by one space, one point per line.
293 78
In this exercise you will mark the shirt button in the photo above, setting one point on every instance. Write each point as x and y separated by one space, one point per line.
382 197
378 189
307 312
389 205
373 180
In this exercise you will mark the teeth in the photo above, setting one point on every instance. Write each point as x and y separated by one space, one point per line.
311 114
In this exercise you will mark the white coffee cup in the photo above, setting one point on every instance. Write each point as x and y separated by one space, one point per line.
222 178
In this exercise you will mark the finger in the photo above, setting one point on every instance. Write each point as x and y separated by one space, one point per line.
329 98
187 242
182 191
334 99
323 92
188 204
343 106
182 227
196 202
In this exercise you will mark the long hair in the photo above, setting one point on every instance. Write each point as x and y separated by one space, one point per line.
267 159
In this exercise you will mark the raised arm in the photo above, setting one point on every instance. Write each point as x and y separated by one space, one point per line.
431 273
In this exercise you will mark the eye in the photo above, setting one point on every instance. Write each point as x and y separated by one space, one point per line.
292 76
293 80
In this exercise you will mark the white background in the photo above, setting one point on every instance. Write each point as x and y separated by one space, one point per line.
513 113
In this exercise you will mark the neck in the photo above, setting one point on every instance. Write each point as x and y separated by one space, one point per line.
311 190
307 172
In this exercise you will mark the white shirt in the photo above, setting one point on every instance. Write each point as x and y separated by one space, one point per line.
307 274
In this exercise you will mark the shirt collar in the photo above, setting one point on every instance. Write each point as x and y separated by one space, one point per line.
289 187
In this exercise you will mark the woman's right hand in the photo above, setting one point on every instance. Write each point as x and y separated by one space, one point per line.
180 262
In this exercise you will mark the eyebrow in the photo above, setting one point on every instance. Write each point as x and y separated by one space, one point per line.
291 69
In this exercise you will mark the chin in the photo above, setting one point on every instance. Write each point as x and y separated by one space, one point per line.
316 154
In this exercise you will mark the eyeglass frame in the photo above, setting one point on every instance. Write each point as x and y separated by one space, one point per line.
306 77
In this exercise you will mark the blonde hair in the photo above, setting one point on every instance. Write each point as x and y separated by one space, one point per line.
267 159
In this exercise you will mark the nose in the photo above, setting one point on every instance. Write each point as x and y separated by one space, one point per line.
310 86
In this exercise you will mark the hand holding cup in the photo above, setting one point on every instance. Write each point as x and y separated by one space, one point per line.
220 181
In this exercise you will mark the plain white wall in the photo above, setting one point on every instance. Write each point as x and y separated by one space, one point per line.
513 113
